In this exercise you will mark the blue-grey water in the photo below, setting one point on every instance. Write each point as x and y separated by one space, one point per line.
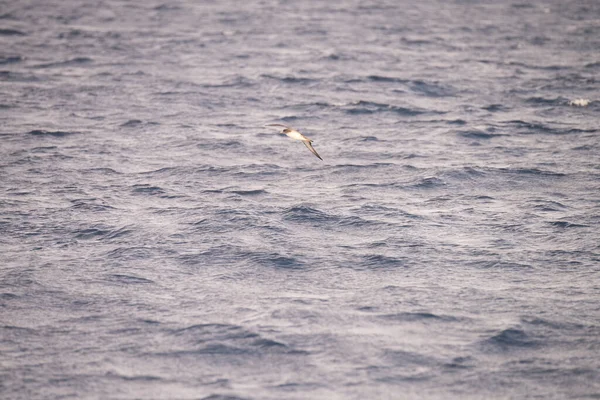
158 242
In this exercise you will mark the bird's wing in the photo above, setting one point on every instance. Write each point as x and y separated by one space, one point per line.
312 149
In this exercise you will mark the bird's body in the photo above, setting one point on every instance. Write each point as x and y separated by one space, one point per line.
296 135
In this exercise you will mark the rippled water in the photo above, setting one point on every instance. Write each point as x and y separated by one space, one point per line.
159 242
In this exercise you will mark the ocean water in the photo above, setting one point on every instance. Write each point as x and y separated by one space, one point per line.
158 242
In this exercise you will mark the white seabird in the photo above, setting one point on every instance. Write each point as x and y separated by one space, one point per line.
294 134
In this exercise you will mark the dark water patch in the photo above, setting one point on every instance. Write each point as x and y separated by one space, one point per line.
539 128
166 171
78 61
167 7
593 65
427 183
101 171
131 123
566 224
542 101
290 79
12 332
148 190
11 32
479 134
417 317
548 206
374 261
357 222
52 133
128 279
8 296
460 363
503 265
226 339
133 378
431 89
369 107
10 60
521 6
537 67
508 340
585 147
215 331
221 144
306 214
495 108
464 174
456 122
237 82
274 260
10 76
225 397
216 255
101 233
531 171
43 149
379 210
135 123
90 205
368 139
543 323
345 168
256 192
409 359
386 79
416 42
130 253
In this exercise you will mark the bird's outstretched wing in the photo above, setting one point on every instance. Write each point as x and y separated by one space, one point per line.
308 144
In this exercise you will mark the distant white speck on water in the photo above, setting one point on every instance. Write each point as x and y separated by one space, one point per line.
580 102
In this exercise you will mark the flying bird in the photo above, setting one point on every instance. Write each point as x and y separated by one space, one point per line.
294 134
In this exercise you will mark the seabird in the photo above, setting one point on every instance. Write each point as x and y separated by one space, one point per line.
294 134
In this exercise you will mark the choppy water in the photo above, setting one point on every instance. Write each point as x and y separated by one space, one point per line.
158 242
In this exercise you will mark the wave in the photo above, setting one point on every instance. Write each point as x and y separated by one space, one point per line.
133 123
274 259
419 87
10 60
290 79
542 101
11 32
78 61
102 233
566 224
386 79
224 397
539 128
148 190
510 339
478 134
39 132
372 261
418 317
128 279
255 192
225 339
370 107
305 214
495 108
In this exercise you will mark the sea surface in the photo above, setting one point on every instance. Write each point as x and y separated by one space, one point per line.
158 242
